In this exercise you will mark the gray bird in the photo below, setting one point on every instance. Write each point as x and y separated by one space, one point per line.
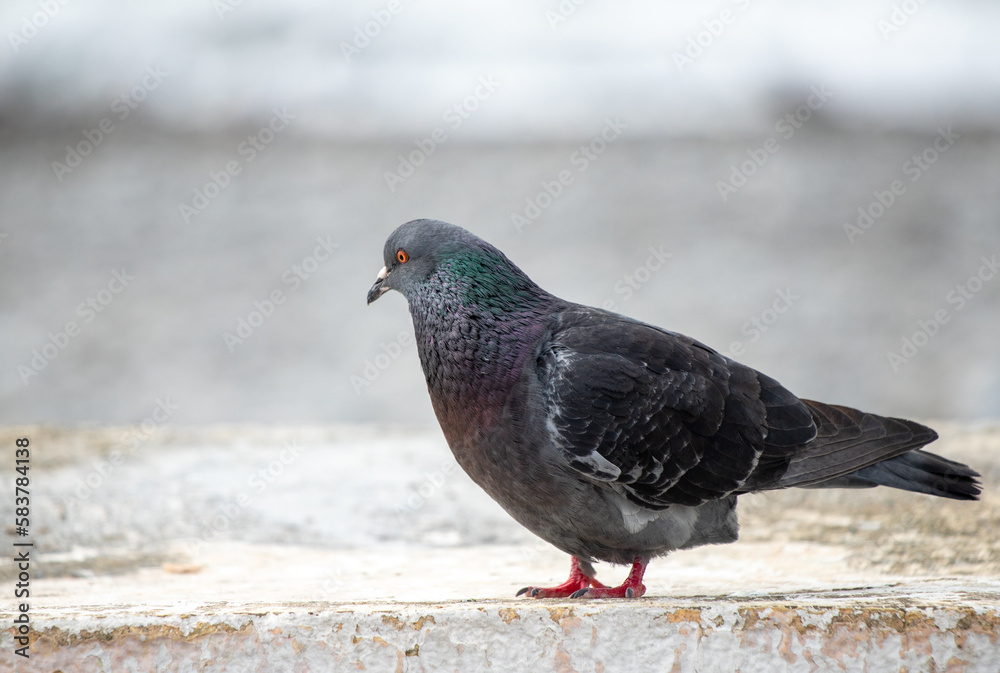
612 439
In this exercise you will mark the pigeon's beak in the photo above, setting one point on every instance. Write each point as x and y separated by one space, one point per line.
378 288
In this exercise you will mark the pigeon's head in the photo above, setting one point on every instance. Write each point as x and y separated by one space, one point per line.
416 249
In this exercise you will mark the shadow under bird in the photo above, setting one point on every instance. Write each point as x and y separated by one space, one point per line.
612 439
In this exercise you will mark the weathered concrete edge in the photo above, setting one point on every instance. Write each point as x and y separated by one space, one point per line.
510 635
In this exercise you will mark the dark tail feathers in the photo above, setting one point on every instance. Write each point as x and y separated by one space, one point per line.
917 471
853 449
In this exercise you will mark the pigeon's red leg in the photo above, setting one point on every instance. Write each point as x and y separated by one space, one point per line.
632 587
577 580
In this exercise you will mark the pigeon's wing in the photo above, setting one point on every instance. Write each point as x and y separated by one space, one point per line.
663 417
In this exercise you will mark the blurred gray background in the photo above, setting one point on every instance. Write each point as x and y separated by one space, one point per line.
149 196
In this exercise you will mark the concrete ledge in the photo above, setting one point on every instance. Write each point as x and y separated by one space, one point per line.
934 626
158 564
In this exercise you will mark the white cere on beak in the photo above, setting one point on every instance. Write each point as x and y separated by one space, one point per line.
383 273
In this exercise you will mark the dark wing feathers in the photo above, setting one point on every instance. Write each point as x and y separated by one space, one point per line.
605 404
667 418
670 421
849 440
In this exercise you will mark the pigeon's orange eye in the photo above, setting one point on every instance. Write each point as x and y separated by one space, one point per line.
401 256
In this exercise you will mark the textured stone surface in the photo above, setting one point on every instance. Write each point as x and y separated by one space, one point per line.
333 566
951 626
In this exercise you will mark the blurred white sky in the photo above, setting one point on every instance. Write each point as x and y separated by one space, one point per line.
896 64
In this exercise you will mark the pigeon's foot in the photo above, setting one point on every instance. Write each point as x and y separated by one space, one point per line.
632 587
578 581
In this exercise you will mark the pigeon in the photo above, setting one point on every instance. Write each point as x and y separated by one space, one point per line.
612 439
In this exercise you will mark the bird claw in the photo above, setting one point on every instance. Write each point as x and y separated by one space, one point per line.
600 591
632 587
624 591
580 585
542 592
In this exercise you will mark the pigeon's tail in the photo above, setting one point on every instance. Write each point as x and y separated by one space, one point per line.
853 449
